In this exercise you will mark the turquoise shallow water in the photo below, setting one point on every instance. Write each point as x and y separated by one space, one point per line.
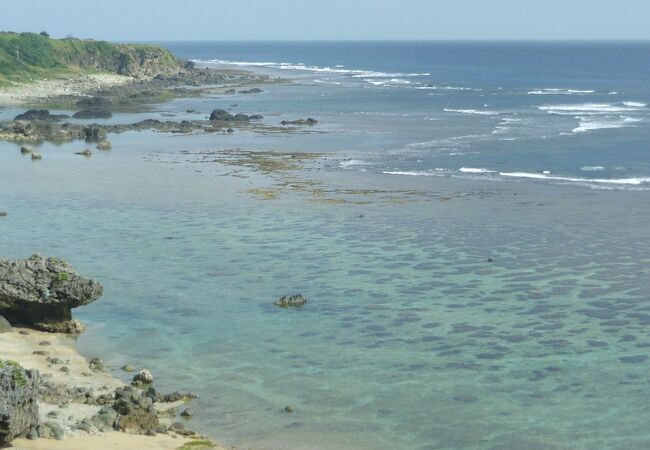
411 339
457 307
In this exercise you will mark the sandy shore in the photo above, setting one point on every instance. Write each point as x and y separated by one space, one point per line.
78 85
21 344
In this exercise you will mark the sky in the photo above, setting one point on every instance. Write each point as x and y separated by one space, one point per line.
147 20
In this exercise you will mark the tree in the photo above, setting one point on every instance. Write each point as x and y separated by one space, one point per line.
45 33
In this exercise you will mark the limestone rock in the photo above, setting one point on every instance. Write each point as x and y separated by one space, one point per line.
142 377
18 407
40 292
5 326
291 301
136 413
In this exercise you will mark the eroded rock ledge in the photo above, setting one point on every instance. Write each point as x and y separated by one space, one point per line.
40 293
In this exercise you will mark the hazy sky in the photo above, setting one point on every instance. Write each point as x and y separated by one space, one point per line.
330 19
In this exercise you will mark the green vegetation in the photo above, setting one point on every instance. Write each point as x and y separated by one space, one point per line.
197 445
17 373
31 56
62 276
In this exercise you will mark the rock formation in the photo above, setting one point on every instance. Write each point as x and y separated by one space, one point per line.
40 292
291 301
18 407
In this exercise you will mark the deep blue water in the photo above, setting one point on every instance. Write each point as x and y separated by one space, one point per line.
564 112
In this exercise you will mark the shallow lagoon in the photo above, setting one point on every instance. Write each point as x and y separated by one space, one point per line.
411 338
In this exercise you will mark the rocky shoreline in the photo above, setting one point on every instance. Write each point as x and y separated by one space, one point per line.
49 392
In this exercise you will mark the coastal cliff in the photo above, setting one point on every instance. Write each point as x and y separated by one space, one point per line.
30 57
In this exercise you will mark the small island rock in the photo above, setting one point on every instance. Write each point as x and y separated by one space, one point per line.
291 301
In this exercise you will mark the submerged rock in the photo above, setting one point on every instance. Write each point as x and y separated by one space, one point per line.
39 114
251 91
104 145
3 213
94 102
25 150
18 407
94 133
36 155
40 292
291 301
85 152
307 121
93 114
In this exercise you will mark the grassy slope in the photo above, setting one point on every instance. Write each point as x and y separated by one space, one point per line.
42 57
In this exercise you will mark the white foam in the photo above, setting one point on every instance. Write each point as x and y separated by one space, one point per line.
352 162
411 173
474 170
602 183
472 111
338 69
635 181
590 123
592 108
446 88
592 168
327 82
555 91
392 81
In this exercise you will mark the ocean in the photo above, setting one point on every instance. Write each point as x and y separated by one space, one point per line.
561 112
476 259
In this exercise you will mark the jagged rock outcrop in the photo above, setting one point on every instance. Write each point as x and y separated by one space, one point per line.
18 407
136 412
40 292
291 301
